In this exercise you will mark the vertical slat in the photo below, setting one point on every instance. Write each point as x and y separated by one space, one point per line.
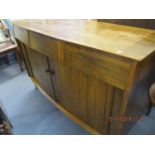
66 89
100 106
92 83
83 95
116 112
55 77
60 72
108 107
39 70
75 92
96 104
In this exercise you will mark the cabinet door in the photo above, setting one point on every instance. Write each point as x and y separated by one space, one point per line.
55 78
74 92
90 89
40 69
91 100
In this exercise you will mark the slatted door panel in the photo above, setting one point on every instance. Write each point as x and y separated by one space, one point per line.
115 123
96 103
108 107
91 100
104 103
74 95
102 90
55 78
39 65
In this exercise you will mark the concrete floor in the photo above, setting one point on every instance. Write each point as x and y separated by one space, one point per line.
31 113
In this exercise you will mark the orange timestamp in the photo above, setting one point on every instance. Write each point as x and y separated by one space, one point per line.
126 118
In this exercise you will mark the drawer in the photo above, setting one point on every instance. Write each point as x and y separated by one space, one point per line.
110 68
21 34
44 44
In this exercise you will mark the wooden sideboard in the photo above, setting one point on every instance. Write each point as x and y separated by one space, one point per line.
96 73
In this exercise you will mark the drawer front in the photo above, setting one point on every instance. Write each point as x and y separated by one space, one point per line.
21 34
44 44
110 68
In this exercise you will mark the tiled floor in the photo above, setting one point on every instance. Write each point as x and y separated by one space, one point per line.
31 113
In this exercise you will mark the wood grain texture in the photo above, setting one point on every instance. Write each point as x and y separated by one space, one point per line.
75 92
102 66
23 52
91 99
21 34
97 85
44 45
108 108
130 42
55 78
96 103
115 124
66 112
39 71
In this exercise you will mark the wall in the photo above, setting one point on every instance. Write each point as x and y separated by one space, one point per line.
143 23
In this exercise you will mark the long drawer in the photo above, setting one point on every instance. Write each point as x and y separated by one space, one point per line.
110 68
44 44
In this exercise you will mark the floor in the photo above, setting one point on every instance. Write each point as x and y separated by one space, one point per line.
31 113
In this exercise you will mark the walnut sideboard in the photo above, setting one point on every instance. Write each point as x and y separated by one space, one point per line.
97 73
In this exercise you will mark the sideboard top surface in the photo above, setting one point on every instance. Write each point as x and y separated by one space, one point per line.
131 42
